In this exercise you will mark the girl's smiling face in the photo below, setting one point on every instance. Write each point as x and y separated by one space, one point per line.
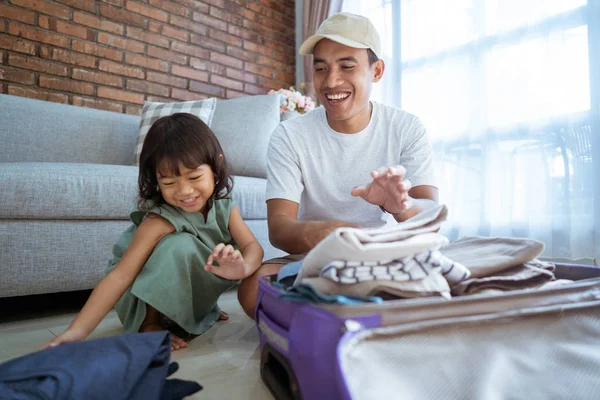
190 189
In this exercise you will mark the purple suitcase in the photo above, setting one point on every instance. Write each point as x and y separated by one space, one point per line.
305 348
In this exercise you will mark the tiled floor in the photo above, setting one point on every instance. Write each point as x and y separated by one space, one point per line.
225 360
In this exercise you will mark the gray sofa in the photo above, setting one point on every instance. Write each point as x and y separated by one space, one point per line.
67 186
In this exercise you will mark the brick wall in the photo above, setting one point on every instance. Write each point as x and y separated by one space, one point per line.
114 54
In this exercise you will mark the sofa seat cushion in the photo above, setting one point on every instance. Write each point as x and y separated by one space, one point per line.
67 191
92 191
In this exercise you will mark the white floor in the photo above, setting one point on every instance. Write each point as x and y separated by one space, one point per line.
225 360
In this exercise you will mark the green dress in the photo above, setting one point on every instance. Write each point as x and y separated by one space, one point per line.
173 280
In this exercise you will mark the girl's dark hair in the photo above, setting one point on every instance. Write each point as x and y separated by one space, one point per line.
180 138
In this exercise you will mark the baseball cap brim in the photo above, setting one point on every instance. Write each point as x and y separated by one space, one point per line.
307 47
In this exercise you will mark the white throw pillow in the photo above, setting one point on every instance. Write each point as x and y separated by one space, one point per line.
203 109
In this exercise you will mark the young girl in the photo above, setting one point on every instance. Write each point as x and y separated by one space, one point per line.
162 267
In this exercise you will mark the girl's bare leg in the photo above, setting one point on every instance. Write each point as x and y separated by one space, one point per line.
152 323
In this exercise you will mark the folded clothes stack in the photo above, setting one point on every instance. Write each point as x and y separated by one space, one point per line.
410 259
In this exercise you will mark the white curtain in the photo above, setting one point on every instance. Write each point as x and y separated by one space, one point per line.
504 88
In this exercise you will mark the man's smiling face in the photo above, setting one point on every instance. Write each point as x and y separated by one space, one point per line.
343 80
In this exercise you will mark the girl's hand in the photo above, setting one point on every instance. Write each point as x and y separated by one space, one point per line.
231 263
70 335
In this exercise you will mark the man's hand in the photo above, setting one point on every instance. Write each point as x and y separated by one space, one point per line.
231 263
388 189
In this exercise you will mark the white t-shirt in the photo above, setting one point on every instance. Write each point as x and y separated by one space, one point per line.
313 165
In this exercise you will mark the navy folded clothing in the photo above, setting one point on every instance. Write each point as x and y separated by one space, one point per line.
128 367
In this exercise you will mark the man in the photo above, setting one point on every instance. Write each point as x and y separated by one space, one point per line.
345 164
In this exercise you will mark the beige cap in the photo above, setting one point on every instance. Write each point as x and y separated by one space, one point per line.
348 29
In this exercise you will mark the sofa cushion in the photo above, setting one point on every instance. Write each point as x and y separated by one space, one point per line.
93 191
244 127
203 109
41 131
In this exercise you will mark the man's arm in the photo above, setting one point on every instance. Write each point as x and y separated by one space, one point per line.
293 236
420 198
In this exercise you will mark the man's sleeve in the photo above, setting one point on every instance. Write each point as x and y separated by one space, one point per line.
417 156
284 176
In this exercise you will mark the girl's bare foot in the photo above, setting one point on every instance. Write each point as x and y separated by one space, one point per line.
176 342
223 316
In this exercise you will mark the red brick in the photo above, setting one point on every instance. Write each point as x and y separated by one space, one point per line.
120 15
96 50
97 104
17 75
258 69
35 93
133 110
258 49
207 43
120 95
241 75
270 63
166 79
36 64
272 84
125 44
210 21
254 6
232 94
171 7
251 89
273 5
248 14
225 37
66 28
145 36
283 77
181 94
44 7
146 11
17 14
189 73
97 77
231 15
271 23
159 99
205 88
280 47
155 27
226 60
194 4
218 3
86 5
191 50
17 44
189 25
226 82
167 55
66 85
120 69
146 62
97 23
37 35
246 34
207 66
118 3
256 27
78 59
147 87
242 54
176 33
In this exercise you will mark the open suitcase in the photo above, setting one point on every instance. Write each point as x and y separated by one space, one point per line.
525 344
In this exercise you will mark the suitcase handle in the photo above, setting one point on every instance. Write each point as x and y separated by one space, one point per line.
278 375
